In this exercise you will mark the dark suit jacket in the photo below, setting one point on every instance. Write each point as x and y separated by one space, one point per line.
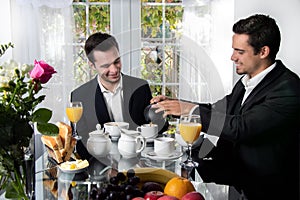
258 148
136 96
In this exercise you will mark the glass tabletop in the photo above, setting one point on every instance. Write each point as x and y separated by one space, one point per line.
52 183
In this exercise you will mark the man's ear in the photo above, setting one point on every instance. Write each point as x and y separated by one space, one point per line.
264 52
91 65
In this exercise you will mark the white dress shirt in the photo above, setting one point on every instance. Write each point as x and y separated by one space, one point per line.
114 101
251 83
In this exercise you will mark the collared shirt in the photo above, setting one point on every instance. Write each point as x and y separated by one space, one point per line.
114 101
251 83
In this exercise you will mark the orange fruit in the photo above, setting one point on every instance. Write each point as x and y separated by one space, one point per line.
178 186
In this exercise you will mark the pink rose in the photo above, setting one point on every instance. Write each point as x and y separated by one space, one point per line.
42 71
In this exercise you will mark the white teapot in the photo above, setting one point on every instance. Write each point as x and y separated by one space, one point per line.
98 143
131 143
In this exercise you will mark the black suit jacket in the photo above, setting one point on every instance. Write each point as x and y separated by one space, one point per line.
258 148
136 96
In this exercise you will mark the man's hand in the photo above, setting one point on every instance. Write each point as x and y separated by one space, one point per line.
172 107
158 99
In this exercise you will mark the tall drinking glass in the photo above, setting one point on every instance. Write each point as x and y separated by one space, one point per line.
74 112
190 127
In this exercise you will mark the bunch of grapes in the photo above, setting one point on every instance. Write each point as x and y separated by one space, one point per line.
120 187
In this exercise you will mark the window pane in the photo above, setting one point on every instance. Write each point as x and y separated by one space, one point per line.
83 73
99 18
174 20
161 31
151 21
172 91
99 0
90 17
80 23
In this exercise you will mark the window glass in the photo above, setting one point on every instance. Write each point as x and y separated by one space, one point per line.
90 17
161 30
160 33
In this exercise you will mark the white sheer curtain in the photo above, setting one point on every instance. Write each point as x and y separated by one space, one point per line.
200 80
42 30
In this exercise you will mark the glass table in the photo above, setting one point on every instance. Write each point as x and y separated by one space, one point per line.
53 184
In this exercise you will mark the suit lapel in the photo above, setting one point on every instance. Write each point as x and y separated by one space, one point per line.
127 92
100 107
267 80
236 99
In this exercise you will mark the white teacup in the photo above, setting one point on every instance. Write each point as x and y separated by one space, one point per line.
164 146
148 130
113 128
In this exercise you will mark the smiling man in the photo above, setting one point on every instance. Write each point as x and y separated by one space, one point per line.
258 124
111 95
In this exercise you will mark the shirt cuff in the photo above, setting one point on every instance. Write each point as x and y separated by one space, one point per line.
194 110
213 139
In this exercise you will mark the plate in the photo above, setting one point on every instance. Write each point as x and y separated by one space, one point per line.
64 167
152 155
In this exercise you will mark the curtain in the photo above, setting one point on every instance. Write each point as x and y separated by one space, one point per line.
199 80
42 30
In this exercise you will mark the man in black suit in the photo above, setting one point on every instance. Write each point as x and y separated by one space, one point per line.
111 95
258 124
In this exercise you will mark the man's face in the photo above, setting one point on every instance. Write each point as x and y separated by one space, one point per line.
108 65
246 62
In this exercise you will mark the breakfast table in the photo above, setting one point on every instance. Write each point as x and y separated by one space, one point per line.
52 183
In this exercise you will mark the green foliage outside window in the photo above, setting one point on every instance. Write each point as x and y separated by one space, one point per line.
88 19
163 69
160 70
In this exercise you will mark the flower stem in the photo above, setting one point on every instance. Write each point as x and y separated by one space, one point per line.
19 186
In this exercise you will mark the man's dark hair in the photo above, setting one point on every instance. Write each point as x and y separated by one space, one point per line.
99 42
262 31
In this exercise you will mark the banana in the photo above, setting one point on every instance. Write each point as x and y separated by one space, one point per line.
161 176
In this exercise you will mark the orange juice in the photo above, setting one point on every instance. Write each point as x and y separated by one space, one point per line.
190 131
74 113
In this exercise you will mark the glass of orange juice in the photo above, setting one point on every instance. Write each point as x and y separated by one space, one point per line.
189 127
74 112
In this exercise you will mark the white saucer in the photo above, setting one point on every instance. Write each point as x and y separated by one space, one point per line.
152 155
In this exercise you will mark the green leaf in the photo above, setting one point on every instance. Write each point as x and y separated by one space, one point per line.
47 129
42 115
11 192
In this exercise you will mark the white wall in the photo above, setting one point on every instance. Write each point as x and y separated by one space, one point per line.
287 16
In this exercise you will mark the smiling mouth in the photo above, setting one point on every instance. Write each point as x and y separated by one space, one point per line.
237 66
114 76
